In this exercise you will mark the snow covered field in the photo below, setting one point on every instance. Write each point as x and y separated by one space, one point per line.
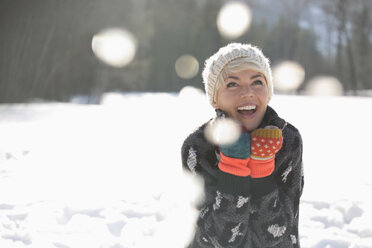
109 175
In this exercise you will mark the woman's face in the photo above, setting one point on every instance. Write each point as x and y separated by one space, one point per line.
244 97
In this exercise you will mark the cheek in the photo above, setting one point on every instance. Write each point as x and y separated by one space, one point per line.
222 100
264 96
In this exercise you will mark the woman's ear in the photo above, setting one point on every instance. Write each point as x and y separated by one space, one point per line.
214 104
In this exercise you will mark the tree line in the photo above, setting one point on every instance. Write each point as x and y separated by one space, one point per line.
46 49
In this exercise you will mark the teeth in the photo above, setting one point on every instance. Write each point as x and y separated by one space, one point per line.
249 107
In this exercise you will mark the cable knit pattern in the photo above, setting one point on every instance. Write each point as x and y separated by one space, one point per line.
245 211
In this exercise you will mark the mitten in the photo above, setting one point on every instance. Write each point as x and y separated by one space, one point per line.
265 143
234 158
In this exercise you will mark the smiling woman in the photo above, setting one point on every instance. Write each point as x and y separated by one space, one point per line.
244 97
247 202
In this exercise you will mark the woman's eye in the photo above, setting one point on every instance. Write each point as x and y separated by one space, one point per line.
231 84
258 82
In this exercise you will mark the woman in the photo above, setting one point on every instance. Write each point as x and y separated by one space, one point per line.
252 187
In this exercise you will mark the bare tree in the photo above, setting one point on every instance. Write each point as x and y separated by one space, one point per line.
340 23
361 33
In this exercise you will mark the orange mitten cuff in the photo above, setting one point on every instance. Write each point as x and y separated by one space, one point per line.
235 166
262 168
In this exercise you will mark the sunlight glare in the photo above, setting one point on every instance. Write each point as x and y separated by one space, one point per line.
288 76
234 19
189 92
223 131
324 86
187 66
115 47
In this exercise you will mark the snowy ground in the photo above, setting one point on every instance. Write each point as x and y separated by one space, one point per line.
108 176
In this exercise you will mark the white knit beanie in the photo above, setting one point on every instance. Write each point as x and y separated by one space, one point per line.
217 62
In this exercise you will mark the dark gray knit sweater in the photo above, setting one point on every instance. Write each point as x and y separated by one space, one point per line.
245 212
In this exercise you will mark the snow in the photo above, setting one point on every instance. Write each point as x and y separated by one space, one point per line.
109 175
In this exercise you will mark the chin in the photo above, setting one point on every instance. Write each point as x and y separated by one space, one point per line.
250 128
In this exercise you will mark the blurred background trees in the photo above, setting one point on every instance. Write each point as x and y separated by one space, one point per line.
46 45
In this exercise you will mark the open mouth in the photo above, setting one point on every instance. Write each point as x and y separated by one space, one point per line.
247 110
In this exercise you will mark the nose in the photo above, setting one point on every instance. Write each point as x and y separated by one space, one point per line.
246 91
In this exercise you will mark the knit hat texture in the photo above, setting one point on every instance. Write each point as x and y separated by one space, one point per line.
217 62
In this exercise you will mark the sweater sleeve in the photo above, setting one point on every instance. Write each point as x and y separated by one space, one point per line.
275 212
224 216
241 211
